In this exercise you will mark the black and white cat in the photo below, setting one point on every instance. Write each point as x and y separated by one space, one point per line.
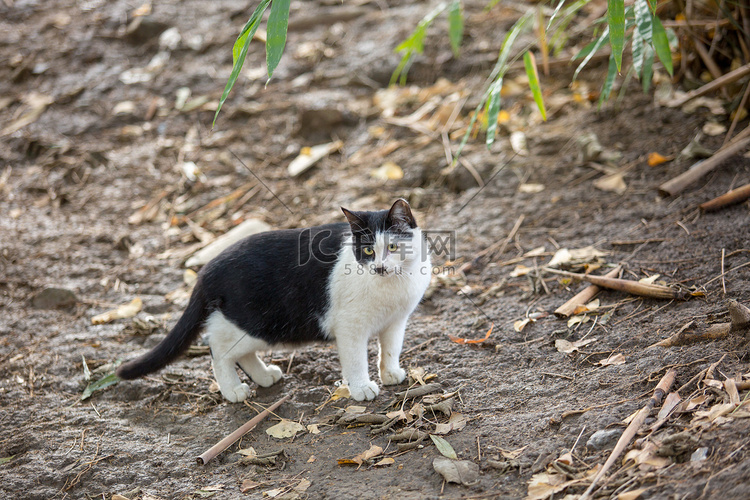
342 282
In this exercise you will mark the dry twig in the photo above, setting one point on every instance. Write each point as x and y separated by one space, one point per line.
627 286
730 198
584 296
247 427
740 322
661 389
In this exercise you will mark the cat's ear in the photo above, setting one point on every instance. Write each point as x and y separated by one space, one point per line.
355 221
400 215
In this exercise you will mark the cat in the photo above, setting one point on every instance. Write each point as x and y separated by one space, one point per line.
342 281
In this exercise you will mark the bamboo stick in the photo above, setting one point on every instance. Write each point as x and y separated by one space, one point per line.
627 286
661 389
720 82
730 198
584 296
225 443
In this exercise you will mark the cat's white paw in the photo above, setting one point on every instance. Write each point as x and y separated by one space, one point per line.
270 376
393 377
237 394
364 392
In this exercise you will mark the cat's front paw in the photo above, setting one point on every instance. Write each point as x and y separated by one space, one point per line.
392 377
364 392
270 376
237 393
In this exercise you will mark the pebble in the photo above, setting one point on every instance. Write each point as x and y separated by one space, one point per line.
603 439
53 298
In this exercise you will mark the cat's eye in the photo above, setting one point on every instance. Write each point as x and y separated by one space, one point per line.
368 250
392 247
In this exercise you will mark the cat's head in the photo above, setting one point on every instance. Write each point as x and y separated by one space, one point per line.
386 242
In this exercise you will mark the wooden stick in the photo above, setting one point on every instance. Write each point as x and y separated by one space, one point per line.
627 286
661 389
584 296
678 184
247 427
740 323
730 77
730 198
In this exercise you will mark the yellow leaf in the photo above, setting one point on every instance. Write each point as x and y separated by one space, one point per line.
614 183
124 311
520 324
385 461
341 391
614 359
313 429
387 171
655 159
285 429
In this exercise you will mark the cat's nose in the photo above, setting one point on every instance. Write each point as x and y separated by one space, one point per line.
380 270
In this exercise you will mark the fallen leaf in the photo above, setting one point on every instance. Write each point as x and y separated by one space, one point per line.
518 143
567 347
655 159
457 471
274 492
444 447
302 486
520 324
578 319
311 459
512 454
5 460
590 307
672 400
650 280
248 452
460 340
575 257
631 495
285 429
695 402
646 456
713 128
309 156
456 422
385 461
341 391
124 311
248 484
613 359
520 270
313 429
531 188
614 183
387 171
372 452
355 409
417 374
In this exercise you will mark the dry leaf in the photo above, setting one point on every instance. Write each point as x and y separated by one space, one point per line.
567 347
631 495
456 422
341 391
124 311
518 325
650 280
313 429
385 461
513 454
520 270
355 409
590 307
531 188
387 171
310 156
614 183
713 128
655 159
672 400
302 486
578 319
373 452
459 340
646 457
575 257
248 452
695 402
457 471
613 359
285 429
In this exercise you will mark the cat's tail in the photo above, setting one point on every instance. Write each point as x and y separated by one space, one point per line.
175 343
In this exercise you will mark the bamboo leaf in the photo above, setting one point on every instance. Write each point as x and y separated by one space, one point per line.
456 26
637 49
444 447
616 23
554 14
609 81
590 53
493 109
531 72
278 21
648 67
501 66
100 384
643 21
661 45
414 44
239 51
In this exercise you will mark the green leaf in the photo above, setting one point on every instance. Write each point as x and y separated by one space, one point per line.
456 26
493 109
278 20
643 21
648 67
414 44
591 51
100 384
536 91
5 460
444 447
637 49
501 66
609 81
239 51
616 23
661 45
554 14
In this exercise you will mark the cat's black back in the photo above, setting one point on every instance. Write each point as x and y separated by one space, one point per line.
274 285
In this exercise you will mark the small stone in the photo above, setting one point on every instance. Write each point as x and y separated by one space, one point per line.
53 298
603 439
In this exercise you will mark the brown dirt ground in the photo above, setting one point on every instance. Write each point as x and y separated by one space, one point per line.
77 173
